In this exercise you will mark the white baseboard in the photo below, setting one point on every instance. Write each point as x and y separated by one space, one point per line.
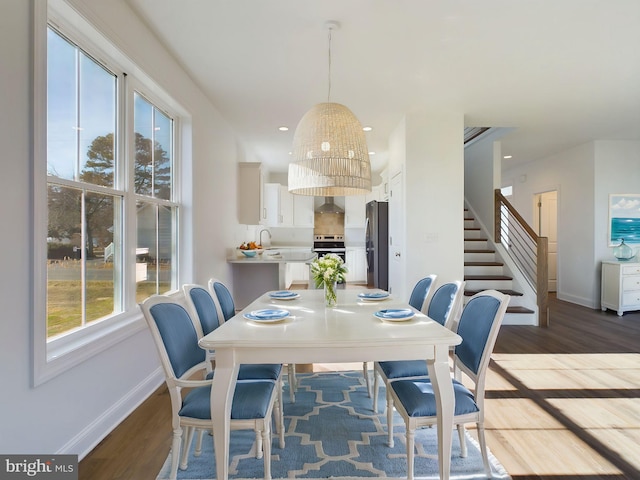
89 437
585 302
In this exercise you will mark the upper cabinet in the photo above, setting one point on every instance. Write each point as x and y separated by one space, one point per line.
283 209
302 211
278 206
354 211
250 178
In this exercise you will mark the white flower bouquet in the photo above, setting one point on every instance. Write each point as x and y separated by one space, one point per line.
327 271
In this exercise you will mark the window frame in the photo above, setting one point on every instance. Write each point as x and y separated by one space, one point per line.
52 357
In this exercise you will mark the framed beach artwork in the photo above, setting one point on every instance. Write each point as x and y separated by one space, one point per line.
624 218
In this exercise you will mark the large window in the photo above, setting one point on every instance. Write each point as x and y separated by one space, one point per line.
110 235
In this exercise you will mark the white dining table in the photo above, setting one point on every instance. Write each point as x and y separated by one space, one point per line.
312 333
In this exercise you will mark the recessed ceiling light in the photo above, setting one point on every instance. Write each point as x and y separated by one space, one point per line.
367 129
372 153
508 156
290 153
283 128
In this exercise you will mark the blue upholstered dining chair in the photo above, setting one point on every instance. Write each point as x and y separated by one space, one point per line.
226 309
420 292
176 340
444 307
414 399
202 308
417 300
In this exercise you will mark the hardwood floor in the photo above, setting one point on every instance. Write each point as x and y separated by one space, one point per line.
562 404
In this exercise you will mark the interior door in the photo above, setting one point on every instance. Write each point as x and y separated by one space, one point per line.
545 219
397 266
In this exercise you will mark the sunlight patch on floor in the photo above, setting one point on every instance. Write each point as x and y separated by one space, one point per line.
534 433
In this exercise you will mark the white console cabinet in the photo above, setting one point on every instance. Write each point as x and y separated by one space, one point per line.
620 286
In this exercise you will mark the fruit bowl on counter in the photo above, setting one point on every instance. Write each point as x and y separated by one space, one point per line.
250 249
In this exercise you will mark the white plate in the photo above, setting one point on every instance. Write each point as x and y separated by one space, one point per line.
395 314
267 315
284 295
373 296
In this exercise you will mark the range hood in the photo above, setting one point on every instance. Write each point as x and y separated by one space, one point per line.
329 207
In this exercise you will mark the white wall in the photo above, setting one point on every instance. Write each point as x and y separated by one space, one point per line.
617 170
71 412
482 175
571 174
428 149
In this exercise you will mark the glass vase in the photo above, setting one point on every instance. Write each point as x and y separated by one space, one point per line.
330 294
623 251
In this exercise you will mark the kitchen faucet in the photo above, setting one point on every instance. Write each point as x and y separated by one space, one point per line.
260 236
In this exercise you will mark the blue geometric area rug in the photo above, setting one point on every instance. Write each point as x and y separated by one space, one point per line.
331 432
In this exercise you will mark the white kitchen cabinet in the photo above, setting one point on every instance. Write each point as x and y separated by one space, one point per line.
299 272
250 179
302 211
354 211
356 264
278 206
620 289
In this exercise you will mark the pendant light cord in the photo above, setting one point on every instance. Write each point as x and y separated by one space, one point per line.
329 70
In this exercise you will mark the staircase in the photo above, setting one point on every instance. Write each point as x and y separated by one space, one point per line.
483 271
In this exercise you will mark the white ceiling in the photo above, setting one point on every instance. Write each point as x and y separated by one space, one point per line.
560 72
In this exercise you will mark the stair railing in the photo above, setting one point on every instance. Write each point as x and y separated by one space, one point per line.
527 250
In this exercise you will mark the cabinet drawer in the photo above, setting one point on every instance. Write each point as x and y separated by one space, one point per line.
631 270
631 298
631 283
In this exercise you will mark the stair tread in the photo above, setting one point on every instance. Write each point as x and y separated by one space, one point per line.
479 251
472 228
487 277
483 264
513 293
519 310
475 239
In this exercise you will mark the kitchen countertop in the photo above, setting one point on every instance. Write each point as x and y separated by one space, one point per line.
283 257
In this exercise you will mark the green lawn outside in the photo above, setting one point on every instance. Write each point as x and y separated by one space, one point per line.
64 302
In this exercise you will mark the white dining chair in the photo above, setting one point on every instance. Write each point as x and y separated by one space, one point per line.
444 307
176 340
418 299
202 309
414 399
227 309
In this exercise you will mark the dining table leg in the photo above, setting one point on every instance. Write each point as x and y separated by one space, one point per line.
222 390
445 403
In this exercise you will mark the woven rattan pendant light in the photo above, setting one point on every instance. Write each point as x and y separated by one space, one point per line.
330 152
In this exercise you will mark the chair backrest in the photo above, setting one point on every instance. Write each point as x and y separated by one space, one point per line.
174 334
203 308
421 291
223 297
445 304
479 325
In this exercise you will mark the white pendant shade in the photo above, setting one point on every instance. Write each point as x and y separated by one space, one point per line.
330 154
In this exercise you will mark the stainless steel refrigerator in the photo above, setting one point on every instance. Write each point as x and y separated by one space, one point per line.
377 244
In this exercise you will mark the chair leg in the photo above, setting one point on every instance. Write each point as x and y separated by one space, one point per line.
376 382
463 442
483 449
259 443
365 374
186 446
291 371
389 419
198 451
266 435
279 416
175 452
411 439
